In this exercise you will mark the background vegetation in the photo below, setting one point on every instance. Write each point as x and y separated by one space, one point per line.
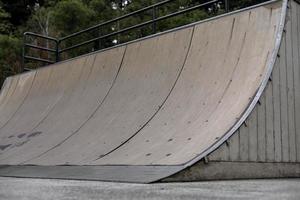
58 18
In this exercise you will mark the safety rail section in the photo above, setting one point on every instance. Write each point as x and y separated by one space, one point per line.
57 49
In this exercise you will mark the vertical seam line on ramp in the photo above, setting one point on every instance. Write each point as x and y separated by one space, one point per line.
4 85
30 91
107 95
188 51
167 97
7 92
59 99
22 102
101 103
9 96
54 105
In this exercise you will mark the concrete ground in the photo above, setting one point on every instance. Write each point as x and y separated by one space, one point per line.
32 189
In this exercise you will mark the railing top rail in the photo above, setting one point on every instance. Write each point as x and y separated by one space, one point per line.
117 19
152 21
39 59
140 25
41 36
40 48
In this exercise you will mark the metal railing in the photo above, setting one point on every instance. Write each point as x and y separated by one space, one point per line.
31 46
57 50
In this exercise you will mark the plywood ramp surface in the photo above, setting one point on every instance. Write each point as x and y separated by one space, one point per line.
66 105
161 101
6 87
221 75
147 76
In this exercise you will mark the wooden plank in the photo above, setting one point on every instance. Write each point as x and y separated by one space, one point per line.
220 154
261 129
252 134
244 143
277 115
233 143
296 56
283 102
290 87
269 123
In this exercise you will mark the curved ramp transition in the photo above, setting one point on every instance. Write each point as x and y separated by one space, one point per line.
141 111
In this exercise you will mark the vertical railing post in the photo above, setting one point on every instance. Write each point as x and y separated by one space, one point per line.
23 53
96 43
226 6
100 40
153 18
57 56
118 35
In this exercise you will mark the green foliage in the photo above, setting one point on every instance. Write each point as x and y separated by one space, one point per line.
70 16
102 10
10 56
237 4
5 25
48 3
19 11
41 21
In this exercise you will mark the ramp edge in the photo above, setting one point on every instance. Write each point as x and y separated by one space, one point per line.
236 170
129 174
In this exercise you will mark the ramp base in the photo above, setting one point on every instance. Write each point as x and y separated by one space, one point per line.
236 170
136 174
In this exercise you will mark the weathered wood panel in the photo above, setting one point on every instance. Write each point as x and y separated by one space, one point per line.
234 147
243 140
290 84
261 128
272 131
269 122
296 56
277 113
283 102
253 136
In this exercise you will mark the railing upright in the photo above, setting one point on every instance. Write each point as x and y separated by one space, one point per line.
57 54
226 6
153 19
26 45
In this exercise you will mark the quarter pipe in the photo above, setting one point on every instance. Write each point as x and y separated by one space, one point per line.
148 109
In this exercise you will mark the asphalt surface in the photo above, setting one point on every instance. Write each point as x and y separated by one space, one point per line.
32 189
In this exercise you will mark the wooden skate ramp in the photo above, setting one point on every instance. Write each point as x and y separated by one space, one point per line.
144 110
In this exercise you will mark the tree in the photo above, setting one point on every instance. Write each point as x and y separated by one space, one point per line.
19 11
10 56
5 25
70 16
238 4
102 10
